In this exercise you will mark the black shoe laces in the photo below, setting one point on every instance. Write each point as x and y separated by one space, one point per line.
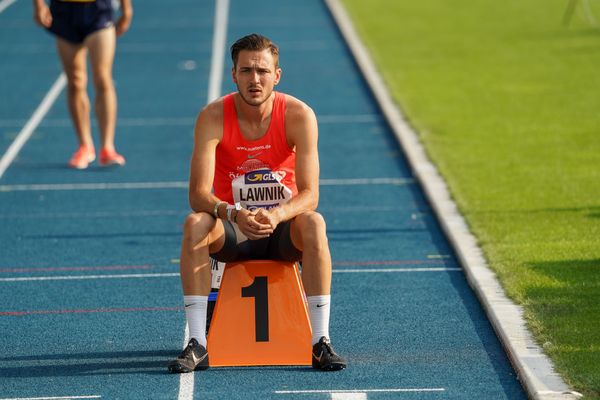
327 345
189 349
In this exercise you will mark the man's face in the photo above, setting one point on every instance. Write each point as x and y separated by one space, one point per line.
255 76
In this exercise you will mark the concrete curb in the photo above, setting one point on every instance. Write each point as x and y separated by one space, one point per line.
534 369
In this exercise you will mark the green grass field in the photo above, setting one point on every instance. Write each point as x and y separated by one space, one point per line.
507 102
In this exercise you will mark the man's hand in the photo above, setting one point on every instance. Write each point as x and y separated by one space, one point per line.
251 227
124 21
42 15
268 217
123 24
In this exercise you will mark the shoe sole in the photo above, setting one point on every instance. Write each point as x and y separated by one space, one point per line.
181 369
334 367
79 167
329 367
89 161
112 164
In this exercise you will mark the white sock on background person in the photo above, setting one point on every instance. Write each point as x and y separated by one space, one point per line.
318 312
195 313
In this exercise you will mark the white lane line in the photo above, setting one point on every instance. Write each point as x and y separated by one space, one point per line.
186 381
93 186
349 396
349 119
5 4
395 270
53 398
183 185
218 50
183 212
86 268
160 121
132 122
176 274
110 214
84 277
33 122
396 390
65 122
366 181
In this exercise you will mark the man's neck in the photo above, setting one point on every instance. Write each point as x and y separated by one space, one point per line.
254 121
254 115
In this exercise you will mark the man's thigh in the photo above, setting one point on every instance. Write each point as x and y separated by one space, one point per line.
278 246
101 45
72 57
281 246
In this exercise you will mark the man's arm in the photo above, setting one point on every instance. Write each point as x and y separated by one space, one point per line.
302 132
207 134
41 13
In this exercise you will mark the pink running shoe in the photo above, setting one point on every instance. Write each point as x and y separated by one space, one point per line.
82 157
111 157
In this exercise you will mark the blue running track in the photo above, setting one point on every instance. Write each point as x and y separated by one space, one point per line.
90 299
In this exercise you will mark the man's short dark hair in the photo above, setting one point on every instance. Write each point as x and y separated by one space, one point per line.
254 42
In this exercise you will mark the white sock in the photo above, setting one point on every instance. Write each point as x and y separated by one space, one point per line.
195 312
318 312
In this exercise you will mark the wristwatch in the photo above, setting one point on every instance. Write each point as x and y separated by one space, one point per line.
230 209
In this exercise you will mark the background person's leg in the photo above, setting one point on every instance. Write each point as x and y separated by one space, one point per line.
73 59
101 46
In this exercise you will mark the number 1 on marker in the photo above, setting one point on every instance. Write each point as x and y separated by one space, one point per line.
259 290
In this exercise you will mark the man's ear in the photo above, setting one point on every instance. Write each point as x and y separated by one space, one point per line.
277 75
233 75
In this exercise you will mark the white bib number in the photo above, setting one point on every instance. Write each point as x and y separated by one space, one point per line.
261 188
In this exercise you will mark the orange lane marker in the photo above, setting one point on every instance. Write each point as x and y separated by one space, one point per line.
260 317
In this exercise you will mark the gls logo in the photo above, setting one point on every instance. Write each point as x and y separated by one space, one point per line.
261 176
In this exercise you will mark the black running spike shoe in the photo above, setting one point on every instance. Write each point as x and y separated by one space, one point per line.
324 358
193 358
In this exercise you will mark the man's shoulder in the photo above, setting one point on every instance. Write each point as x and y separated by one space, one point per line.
209 124
215 107
213 111
296 108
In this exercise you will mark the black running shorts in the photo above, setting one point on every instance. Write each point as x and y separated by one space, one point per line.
278 246
75 20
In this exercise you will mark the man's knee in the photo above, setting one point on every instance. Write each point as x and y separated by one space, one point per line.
312 221
103 83
196 228
312 229
77 82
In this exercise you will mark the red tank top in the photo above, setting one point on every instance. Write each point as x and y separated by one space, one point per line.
237 156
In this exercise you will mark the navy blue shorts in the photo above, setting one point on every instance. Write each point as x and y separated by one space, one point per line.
74 21
278 246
